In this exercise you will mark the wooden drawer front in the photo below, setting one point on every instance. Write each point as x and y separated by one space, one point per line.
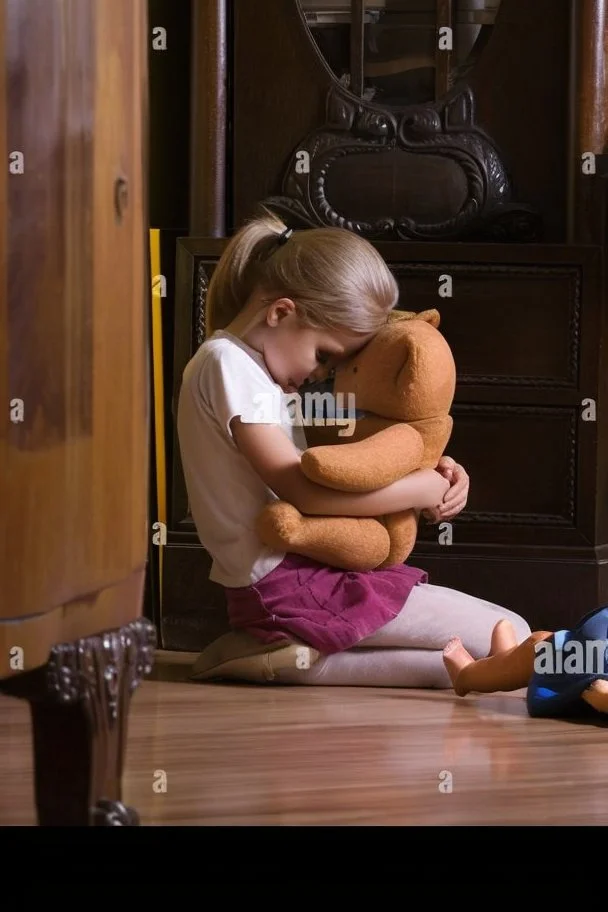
507 325
522 462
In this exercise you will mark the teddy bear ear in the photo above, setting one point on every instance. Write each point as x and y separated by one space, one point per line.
430 316
395 315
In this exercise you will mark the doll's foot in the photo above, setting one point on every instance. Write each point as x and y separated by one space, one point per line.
503 638
596 695
456 659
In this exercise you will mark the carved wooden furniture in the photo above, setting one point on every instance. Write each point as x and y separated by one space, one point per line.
438 168
74 382
484 181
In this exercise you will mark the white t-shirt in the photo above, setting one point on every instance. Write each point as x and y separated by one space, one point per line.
223 379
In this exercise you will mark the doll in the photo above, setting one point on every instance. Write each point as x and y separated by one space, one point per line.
566 672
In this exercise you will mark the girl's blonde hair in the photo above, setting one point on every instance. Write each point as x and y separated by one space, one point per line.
337 279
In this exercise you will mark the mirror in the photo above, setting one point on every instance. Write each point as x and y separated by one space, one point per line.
394 44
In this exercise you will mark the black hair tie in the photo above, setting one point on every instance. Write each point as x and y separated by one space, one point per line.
284 237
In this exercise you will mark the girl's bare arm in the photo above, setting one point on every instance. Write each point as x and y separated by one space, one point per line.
273 456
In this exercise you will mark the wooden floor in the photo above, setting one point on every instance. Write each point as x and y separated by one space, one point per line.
238 754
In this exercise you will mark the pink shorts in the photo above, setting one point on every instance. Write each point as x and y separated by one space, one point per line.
327 608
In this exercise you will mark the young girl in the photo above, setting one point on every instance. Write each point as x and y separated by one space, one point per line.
284 309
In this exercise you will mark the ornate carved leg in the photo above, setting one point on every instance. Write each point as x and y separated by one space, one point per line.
79 704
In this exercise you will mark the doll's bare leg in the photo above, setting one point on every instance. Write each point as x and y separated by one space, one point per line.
504 638
456 658
597 696
508 670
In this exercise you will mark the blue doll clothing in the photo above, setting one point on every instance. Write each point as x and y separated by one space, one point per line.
559 694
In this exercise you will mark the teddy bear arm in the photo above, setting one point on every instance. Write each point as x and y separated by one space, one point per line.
402 530
435 434
366 465
352 543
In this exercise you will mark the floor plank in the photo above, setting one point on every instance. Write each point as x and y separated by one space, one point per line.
238 754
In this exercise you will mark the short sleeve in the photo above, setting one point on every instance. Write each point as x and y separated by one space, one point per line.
233 385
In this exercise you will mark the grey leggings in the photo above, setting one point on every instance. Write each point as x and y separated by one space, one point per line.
407 652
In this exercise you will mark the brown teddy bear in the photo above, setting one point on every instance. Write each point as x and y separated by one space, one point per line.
403 381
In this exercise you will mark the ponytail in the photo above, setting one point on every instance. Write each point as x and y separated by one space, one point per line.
238 270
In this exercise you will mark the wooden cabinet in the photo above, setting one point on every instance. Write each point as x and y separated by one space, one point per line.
525 324
481 173
74 384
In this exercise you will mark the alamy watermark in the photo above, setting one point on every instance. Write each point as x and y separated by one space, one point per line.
587 658
310 409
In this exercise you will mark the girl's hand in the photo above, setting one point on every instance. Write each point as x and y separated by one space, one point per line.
456 498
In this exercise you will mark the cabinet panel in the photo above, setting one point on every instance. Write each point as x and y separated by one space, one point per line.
522 463
195 261
507 325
